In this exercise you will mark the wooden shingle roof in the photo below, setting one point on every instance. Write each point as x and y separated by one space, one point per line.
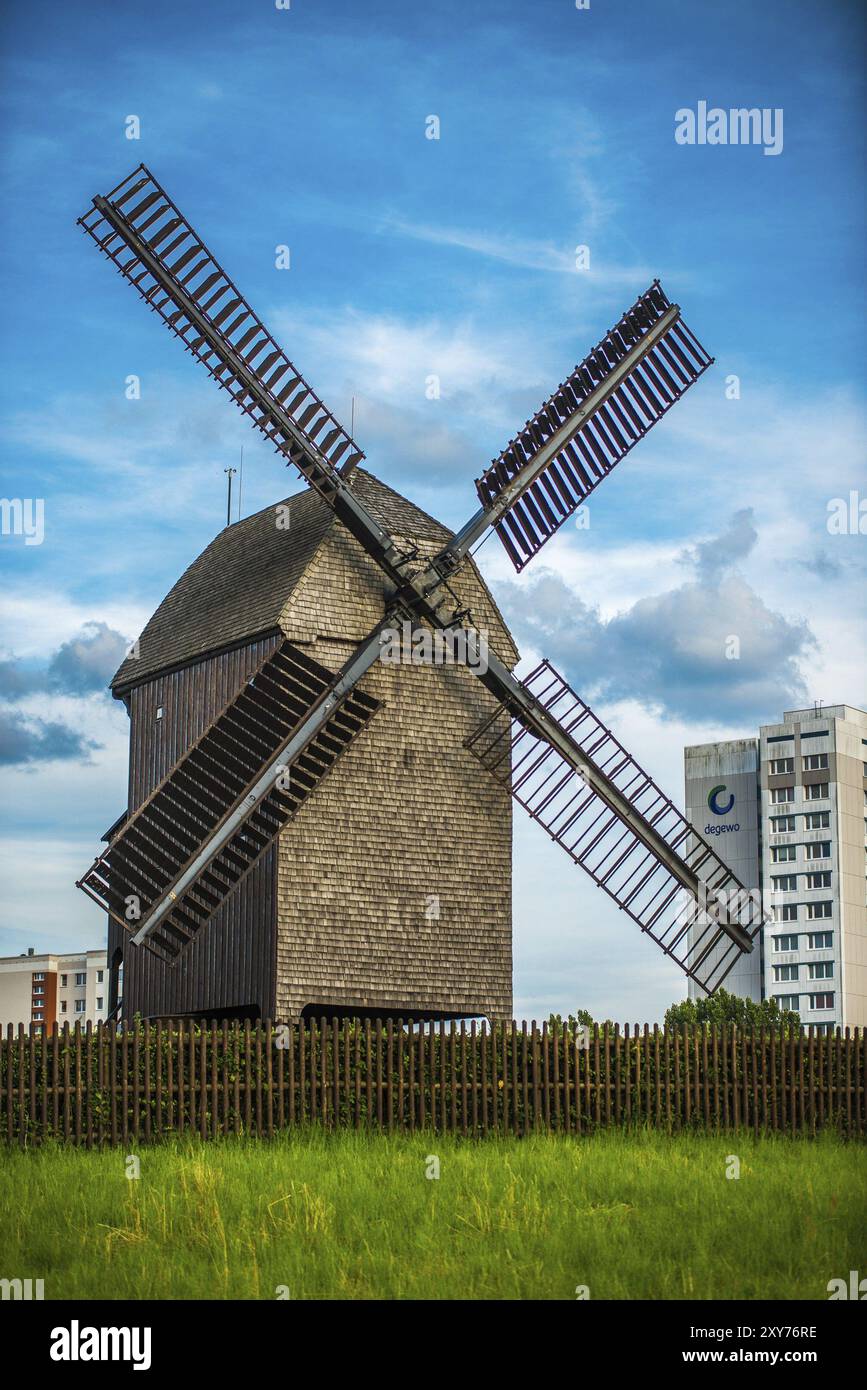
239 585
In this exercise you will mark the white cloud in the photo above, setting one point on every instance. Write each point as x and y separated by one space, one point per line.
530 254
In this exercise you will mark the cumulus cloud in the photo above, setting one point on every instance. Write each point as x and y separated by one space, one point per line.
82 665
25 740
87 662
713 558
709 647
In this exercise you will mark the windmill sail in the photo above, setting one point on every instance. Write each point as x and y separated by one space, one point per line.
699 913
150 242
154 878
604 407
184 850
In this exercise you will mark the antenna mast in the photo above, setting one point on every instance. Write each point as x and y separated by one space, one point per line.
230 473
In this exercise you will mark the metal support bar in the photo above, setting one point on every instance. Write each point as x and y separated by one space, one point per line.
350 674
518 700
451 554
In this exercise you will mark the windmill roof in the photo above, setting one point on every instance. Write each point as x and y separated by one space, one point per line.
239 585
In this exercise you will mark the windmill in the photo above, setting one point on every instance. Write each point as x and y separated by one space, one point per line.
170 865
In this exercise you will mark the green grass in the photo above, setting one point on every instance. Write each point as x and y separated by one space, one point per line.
640 1215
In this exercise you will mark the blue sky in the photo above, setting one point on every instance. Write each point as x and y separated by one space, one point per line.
453 257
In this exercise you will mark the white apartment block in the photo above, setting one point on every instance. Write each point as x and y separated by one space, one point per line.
788 811
53 989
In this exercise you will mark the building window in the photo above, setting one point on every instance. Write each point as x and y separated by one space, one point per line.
814 733
788 1001
816 791
821 970
779 795
817 820
815 911
39 975
785 912
63 1006
79 1006
820 850
99 1001
63 982
160 711
786 943
814 761
37 1017
38 989
781 738
785 972
780 824
80 979
784 883
822 1001
819 940
99 977
820 880
780 765
783 854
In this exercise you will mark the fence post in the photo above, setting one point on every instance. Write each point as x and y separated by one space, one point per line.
31 1048
410 1078
191 1078
525 1078
745 1082
260 1123
136 1080
484 1071
22 1123
124 1086
420 1037
269 1078
290 1067
465 1124
325 1081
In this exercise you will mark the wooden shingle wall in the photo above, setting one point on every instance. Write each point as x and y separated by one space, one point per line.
394 881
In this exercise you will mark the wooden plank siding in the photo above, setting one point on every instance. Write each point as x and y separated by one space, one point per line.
231 965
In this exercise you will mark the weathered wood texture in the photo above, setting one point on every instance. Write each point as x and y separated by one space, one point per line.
394 881
231 964
100 1086
391 890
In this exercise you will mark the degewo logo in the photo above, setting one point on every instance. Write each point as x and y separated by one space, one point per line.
719 809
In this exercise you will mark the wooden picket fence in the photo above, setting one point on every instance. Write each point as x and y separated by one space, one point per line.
109 1085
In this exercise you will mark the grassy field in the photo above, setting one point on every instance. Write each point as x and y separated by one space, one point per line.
354 1216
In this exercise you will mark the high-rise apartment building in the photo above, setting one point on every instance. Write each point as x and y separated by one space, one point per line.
53 989
788 812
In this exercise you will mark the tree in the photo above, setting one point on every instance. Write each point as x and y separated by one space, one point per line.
582 1018
723 1009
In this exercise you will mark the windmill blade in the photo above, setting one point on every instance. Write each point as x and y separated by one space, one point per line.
155 248
199 833
647 361
571 774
